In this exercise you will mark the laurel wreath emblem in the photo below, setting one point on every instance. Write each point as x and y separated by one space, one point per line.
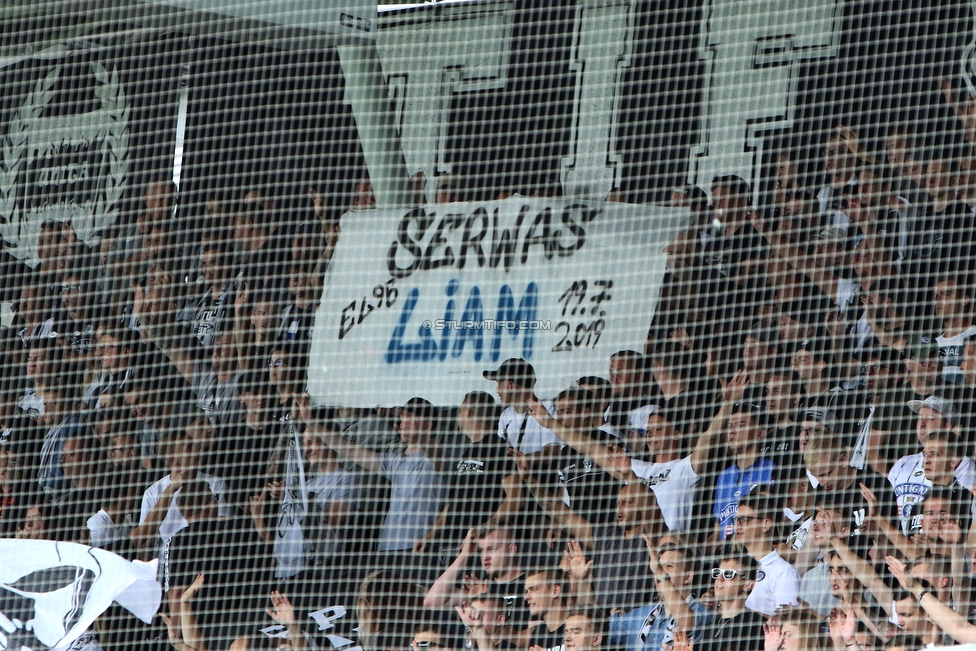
19 235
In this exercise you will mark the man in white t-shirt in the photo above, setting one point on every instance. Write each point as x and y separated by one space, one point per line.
159 517
515 384
671 476
777 582
953 304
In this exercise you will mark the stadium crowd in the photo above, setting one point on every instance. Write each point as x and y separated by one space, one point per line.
788 465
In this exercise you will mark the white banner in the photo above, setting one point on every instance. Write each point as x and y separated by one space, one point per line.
421 303
350 17
51 592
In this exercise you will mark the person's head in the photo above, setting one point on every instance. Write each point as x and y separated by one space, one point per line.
816 424
263 312
671 361
942 453
819 534
827 459
215 262
544 591
477 414
796 325
43 360
943 506
427 637
286 368
882 370
678 562
923 363
490 610
632 504
909 616
941 177
514 380
601 391
123 451
175 449
843 583
160 197
934 413
874 184
802 630
37 523
223 359
363 197
498 548
760 347
953 296
112 347
75 295
730 198
386 603
734 578
787 179
77 456
810 361
747 427
754 519
784 390
899 145
449 188
315 445
661 434
416 419
626 373
586 629
257 395
573 407
197 501
830 248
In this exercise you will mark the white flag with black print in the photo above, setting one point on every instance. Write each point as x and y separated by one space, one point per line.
51 592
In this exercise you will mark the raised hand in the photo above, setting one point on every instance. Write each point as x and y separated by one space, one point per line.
579 566
194 588
282 612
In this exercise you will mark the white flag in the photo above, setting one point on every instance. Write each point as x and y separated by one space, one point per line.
51 592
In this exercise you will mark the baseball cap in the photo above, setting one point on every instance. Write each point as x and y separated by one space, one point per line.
922 347
823 416
638 416
833 234
515 369
420 408
939 404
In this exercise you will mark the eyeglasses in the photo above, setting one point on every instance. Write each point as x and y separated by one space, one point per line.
70 288
275 363
743 519
728 575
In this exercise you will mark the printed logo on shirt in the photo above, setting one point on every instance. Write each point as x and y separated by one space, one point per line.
760 575
470 467
654 480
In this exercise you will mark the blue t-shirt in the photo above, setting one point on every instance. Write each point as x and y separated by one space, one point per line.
734 484
646 628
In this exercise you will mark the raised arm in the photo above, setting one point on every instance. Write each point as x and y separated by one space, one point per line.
674 603
579 528
707 442
143 535
951 622
860 568
444 592
903 543
346 449
577 440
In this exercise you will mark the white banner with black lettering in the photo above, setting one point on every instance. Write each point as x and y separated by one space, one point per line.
51 592
420 303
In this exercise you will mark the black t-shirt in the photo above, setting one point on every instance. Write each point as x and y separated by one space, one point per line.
855 507
744 632
592 490
936 239
548 640
238 574
476 490
621 575
513 592
725 253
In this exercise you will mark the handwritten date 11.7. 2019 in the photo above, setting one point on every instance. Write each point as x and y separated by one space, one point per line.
582 299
